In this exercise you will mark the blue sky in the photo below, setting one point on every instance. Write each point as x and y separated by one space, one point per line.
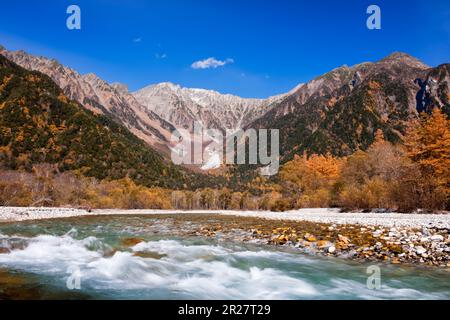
268 46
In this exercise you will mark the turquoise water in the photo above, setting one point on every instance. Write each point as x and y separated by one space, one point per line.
101 254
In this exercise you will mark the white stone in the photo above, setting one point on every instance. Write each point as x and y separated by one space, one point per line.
437 238
420 250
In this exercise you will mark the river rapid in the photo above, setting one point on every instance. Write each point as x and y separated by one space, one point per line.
152 257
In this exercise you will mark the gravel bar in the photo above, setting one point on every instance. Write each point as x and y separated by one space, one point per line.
332 216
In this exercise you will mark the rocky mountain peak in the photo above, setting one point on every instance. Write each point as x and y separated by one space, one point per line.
90 77
166 86
403 58
120 87
183 106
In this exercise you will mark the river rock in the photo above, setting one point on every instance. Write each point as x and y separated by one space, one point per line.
149 255
425 239
395 260
282 239
394 233
321 244
310 237
131 242
343 239
437 238
376 234
420 250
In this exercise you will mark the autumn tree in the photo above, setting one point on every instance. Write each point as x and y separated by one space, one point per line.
428 144
311 179
369 178
179 200
207 199
225 198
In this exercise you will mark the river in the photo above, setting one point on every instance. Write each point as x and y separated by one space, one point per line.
142 257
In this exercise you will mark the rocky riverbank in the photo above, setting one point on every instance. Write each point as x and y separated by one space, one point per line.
427 246
11 214
328 216
387 237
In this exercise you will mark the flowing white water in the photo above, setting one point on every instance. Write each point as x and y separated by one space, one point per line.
187 268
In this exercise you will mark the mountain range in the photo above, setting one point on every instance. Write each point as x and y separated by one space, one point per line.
97 95
213 110
338 112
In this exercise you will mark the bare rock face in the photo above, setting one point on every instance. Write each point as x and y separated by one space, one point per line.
183 106
434 90
120 87
100 97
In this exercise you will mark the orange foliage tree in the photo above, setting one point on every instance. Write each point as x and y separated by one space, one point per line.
311 179
428 144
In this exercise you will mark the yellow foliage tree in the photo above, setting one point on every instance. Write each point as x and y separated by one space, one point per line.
312 179
428 143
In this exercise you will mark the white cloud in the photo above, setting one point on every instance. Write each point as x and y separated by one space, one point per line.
160 55
210 63
137 40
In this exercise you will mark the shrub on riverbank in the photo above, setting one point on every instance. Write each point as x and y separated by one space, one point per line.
46 186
